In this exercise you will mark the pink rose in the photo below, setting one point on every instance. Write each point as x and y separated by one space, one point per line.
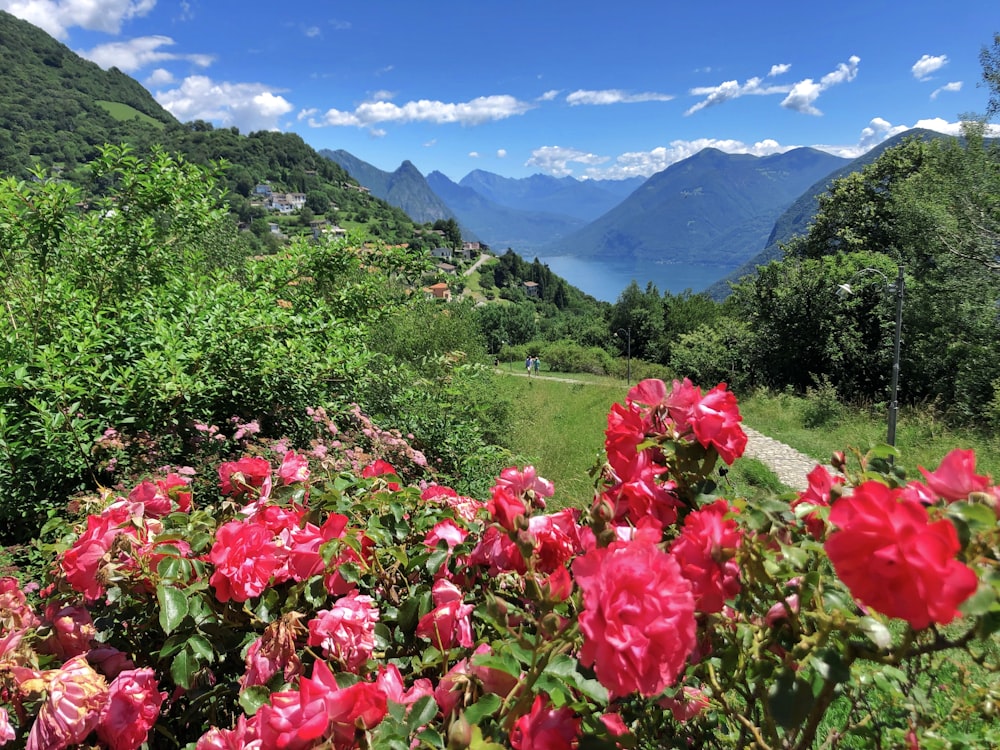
705 551
72 630
448 623
74 697
955 478
241 737
555 539
245 556
638 617
275 651
894 560
546 728
524 481
294 468
132 708
346 632
506 508
236 477
390 682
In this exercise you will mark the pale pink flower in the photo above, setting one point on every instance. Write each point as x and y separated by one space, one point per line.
132 708
346 632
294 468
73 697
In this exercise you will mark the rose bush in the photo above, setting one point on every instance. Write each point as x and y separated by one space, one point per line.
312 603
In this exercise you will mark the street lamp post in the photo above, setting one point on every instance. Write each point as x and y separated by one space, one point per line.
628 350
897 288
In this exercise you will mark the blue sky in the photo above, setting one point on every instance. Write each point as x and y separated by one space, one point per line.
584 88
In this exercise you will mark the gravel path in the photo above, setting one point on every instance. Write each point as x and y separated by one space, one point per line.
790 466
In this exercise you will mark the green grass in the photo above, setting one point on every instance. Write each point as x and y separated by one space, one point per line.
921 436
124 112
559 428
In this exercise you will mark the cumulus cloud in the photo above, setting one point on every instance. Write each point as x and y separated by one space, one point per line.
473 154
137 53
798 96
248 106
555 160
805 92
927 65
613 96
647 163
58 16
312 32
306 113
548 96
160 77
953 86
476 112
501 153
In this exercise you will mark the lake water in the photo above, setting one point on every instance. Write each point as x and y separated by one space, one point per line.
606 279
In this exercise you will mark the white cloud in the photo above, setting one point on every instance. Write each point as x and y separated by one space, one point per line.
473 154
377 133
953 86
805 92
647 163
799 96
728 90
548 96
248 106
613 96
554 160
160 77
927 65
476 112
312 32
58 16
306 113
880 129
382 95
137 53
501 153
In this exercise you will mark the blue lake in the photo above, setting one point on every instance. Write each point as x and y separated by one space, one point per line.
606 279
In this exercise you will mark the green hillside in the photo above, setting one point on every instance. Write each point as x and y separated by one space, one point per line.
57 109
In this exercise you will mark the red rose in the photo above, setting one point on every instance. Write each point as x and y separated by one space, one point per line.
817 493
705 551
638 616
625 433
545 728
894 560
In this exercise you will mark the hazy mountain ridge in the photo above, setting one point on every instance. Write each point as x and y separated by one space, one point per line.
406 188
712 208
581 199
498 225
795 219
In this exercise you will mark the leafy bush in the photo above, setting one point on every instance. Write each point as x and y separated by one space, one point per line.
567 356
323 603
821 404
139 313
715 353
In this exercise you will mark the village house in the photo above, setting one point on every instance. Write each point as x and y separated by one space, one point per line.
438 291
447 268
441 252
531 288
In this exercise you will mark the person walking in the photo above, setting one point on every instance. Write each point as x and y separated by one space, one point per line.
527 364
535 364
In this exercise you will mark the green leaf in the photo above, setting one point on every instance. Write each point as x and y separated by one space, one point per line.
173 607
790 699
201 647
253 698
422 712
976 516
877 632
183 667
501 662
981 602
485 706
831 667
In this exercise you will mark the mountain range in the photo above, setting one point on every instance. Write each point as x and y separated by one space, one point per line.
729 212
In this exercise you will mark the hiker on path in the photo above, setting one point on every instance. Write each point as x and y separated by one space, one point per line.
535 364
527 365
